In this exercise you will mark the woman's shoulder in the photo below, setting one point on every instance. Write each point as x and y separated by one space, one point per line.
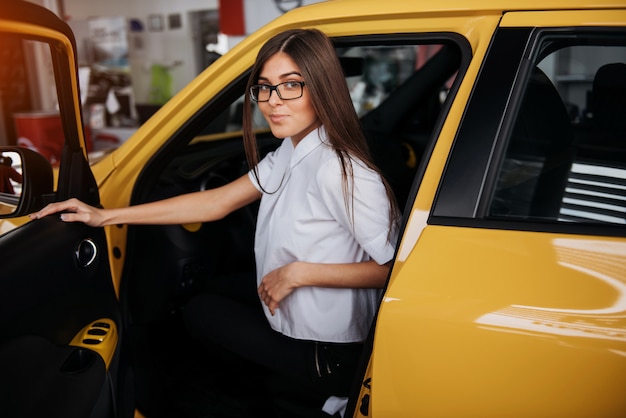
331 167
328 168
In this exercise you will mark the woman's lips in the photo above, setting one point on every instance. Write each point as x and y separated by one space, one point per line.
277 118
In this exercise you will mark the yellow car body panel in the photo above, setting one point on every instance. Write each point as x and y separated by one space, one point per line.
609 17
512 308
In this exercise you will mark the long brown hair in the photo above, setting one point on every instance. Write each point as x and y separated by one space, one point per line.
313 52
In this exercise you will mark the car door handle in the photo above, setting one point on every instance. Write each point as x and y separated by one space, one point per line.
86 252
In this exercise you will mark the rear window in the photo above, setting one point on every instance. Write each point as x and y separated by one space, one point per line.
566 158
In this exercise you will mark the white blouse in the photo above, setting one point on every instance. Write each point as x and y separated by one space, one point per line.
303 217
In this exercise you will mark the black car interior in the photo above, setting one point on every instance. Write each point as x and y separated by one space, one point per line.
542 133
43 371
608 98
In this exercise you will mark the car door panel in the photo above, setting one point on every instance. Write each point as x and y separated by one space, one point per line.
43 288
44 379
59 313
514 310
46 298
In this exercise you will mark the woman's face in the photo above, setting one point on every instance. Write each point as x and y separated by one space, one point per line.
293 118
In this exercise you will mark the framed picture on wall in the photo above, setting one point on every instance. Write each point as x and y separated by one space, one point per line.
174 21
155 23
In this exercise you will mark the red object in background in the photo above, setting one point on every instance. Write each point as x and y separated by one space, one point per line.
232 20
42 132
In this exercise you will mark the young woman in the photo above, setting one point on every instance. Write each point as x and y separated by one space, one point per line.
325 236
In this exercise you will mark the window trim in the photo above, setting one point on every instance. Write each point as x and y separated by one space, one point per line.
479 127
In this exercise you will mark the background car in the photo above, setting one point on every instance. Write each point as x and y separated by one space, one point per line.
501 129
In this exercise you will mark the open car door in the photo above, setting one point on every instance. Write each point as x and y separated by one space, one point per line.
59 314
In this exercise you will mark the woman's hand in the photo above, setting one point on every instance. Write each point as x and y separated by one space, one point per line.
73 211
278 284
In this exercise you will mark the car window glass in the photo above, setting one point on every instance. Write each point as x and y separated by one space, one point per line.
29 104
566 157
29 110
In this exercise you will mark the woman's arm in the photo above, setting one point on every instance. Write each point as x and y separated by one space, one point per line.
204 206
279 283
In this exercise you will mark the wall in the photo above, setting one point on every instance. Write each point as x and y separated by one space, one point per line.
260 12
174 48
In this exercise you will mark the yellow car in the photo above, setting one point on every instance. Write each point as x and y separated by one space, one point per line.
501 126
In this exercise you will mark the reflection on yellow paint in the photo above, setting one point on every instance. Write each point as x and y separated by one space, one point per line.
601 261
412 232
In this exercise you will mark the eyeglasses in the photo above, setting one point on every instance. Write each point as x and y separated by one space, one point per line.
288 90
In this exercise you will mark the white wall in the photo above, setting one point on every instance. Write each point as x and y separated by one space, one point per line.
167 47
176 47
259 12
80 9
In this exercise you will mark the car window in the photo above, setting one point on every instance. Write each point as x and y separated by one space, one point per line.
565 160
373 73
29 111
29 97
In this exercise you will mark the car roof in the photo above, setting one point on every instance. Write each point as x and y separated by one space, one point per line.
361 7
317 14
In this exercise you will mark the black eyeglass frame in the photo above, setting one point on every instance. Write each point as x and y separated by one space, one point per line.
275 88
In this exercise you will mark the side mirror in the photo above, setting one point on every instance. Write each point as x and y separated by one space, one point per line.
25 178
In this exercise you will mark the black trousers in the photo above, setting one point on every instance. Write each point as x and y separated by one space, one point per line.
300 374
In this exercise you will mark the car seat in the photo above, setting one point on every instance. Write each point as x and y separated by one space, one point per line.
609 105
543 131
